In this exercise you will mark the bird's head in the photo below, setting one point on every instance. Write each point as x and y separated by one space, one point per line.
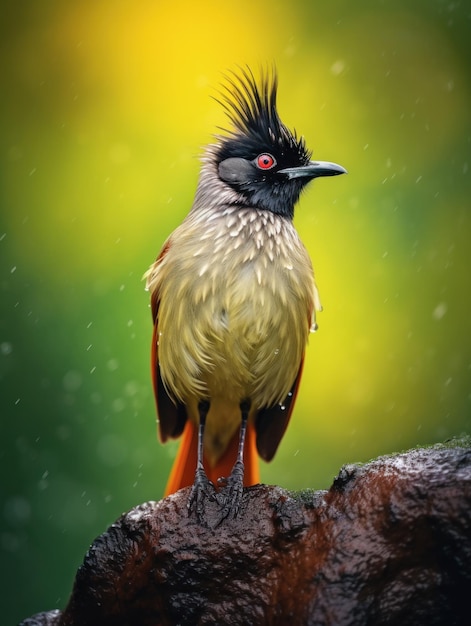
265 163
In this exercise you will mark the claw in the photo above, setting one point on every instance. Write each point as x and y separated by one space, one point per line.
230 496
201 491
222 482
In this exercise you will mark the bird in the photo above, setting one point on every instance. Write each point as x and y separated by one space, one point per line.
234 299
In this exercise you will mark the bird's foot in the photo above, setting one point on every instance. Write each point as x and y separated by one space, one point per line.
229 497
201 491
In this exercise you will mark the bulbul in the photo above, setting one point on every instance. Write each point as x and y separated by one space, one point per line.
233 300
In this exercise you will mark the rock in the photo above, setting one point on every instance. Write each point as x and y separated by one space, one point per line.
388 543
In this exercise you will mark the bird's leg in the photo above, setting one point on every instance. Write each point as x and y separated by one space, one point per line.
231 495
202 487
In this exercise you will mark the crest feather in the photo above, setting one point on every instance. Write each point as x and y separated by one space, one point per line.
251 107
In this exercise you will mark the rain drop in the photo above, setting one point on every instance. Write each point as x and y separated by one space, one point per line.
118 405
337 67
439 311
6 348
17 510
112 365
72 381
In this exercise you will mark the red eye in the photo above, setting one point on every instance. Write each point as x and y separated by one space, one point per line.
265 161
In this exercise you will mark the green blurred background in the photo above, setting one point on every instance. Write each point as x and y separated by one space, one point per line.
104 107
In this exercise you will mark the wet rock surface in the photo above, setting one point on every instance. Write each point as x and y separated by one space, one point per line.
388 543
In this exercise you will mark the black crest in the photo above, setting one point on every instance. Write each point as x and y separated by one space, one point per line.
251 107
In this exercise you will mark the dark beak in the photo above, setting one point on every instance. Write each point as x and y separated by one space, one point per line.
313 169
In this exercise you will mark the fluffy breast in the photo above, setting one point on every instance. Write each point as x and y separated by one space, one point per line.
237 297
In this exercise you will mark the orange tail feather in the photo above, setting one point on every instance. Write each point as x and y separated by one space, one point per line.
184 466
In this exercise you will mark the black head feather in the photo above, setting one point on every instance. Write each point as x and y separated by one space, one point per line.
257 131
251 107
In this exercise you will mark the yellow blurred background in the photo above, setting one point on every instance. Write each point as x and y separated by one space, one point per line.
104 109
